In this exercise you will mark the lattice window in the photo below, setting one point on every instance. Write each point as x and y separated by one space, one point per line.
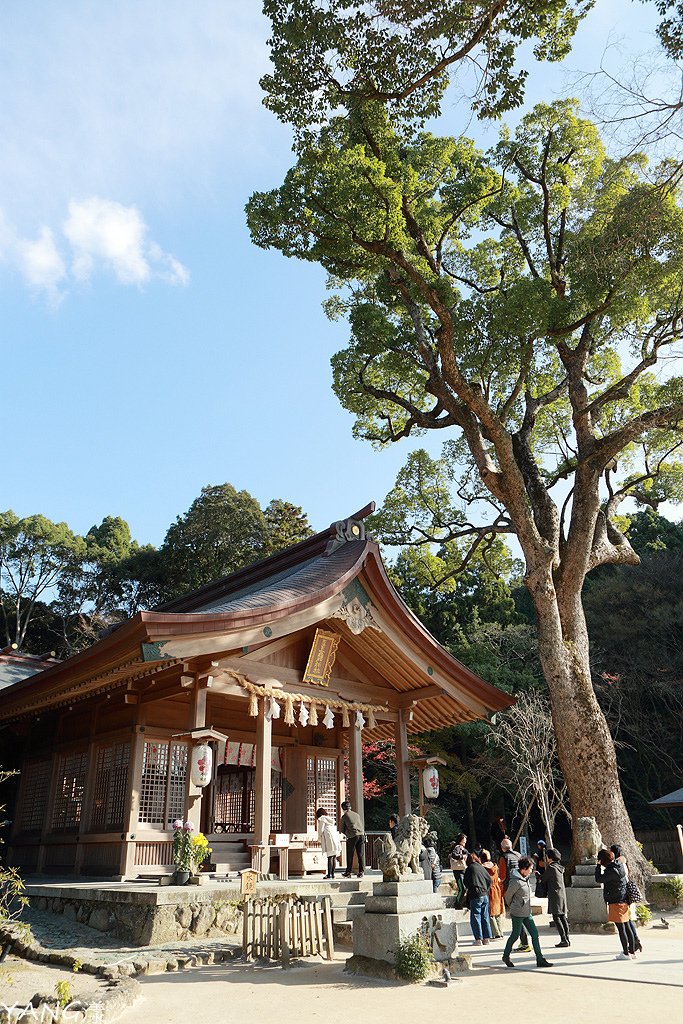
321 787
276 801
177 783
68 802
35 791
111 781
163 783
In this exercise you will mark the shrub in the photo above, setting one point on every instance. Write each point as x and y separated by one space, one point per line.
413 959
643 914
666 892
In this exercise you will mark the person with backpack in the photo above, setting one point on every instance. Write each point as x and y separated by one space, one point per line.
518 902
557 895
507 869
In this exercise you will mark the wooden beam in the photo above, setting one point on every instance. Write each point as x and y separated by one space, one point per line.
356 771
404 700
264 749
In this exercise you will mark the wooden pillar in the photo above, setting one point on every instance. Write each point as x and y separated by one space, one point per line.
402 770
264 748
356 771
197 720
127 858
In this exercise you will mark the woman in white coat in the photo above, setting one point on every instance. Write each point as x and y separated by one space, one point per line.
330 840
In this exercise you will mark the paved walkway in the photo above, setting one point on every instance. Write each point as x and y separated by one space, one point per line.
586 983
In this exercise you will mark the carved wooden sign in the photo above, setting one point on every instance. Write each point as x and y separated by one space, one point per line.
321 658
248 882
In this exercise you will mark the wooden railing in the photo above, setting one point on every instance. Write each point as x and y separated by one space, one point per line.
282 927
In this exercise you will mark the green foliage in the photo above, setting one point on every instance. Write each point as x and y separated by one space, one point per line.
643 914
666 892
64 992
328 54
413 959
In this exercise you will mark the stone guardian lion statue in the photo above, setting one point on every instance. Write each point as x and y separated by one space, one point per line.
399 859
587 839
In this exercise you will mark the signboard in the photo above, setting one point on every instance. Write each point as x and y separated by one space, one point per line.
248 882
321 658
523 846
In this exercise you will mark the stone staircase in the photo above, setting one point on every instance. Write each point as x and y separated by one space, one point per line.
348 900
228 856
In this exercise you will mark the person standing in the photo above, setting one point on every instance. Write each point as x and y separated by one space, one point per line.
496 904
352 827
498 834
393 822
423 858
557 895
539 860
434 863
612 874
477 882
518 902
507 869
631 924
458 865
329 840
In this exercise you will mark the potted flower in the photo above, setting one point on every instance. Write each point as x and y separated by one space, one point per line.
199 851
182 850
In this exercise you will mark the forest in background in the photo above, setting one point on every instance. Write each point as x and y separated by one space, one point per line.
60 591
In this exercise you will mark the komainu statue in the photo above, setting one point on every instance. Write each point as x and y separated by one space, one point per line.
399 859
587 840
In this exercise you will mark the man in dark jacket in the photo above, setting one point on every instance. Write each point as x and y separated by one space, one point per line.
352 827
557 895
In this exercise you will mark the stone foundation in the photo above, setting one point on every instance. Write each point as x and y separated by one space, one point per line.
586 907
145 918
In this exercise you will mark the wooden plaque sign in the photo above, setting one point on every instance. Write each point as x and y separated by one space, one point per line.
321 658
248 882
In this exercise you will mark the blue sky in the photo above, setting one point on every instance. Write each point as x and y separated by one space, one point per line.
148 347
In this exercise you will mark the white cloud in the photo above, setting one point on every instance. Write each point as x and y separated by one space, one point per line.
98 235
101 231
40 262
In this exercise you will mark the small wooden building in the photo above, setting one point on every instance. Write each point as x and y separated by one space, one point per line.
280 668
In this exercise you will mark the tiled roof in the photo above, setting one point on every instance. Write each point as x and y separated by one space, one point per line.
15 666
289 585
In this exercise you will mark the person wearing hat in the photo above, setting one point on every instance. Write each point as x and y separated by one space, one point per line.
557 896
539 870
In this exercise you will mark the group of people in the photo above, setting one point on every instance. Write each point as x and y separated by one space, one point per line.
488 887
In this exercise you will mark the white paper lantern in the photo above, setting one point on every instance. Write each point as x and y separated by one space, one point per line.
430 782
201 764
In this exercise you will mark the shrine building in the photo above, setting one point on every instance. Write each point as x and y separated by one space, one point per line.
234 707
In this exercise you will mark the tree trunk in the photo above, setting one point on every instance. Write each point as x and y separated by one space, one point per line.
585 745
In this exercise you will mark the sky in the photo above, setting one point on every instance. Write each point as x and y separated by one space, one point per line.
149 349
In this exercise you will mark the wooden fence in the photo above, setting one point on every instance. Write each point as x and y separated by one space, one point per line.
282 927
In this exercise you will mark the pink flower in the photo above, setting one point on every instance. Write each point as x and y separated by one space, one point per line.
177 823
188 826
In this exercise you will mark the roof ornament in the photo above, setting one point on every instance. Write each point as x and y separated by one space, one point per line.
348 530
357 616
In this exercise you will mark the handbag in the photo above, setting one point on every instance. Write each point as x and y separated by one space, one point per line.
458 863
633 893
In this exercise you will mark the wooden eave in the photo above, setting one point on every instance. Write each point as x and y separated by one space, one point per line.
418 664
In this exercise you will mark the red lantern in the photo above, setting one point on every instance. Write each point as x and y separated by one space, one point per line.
430 782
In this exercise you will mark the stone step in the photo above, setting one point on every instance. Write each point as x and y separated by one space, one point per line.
344 914
345 899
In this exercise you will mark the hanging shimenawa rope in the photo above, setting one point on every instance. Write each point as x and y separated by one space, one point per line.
255 692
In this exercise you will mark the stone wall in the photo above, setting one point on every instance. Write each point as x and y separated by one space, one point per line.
146 922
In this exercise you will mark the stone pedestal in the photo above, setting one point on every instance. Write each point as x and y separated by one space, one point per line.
398 910
586 908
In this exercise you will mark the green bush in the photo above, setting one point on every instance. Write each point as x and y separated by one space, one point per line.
643 914
413 959
666 892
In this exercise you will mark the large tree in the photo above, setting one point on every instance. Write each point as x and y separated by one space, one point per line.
517 300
